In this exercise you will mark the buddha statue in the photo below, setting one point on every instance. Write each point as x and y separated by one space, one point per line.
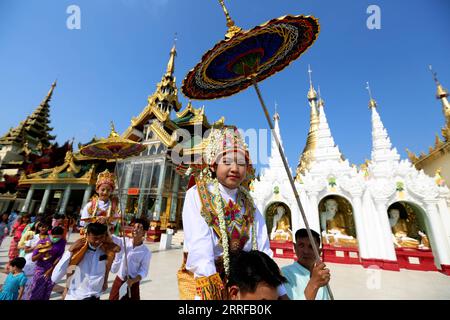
400 231
281 227
334 226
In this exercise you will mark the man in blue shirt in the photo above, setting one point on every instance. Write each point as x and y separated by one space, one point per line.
306 278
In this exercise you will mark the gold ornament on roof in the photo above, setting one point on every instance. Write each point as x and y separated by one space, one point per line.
113 133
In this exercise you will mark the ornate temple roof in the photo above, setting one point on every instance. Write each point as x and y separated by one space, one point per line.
159 104
440 146
158 110
72 171
33 134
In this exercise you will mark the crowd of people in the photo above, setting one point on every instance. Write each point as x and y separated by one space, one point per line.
227 251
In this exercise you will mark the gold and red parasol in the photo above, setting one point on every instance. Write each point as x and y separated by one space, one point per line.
113 147
245 57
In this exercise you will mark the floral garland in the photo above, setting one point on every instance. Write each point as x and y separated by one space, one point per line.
223 228
222 225
250 199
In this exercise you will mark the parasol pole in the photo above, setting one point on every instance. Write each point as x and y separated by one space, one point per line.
122 224
291 179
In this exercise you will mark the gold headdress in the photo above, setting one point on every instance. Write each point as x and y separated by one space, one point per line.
219 142
106 177
224 140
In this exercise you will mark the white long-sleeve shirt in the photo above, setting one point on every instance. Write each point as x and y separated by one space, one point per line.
101 206
88 278
138 259
201 242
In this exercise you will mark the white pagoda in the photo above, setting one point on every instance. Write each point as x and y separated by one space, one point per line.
385 213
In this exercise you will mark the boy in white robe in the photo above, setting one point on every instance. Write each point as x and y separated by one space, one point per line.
219 215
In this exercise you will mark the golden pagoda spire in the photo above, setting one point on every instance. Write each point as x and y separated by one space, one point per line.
311 142
312 95
442 95
171 63
50 92
372 102
232 28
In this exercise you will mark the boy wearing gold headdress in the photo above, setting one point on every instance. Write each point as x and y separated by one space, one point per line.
219 217
103 208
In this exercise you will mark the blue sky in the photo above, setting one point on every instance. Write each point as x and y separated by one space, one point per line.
107 69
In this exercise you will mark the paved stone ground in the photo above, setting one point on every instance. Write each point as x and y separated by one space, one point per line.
350 282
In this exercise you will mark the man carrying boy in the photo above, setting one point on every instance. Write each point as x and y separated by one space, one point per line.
86 281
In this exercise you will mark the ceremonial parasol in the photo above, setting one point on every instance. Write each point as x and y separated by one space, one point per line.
113 148
246 57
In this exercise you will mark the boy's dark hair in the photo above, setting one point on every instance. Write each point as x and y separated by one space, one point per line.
96 229
144 222
18 262
248 269
302 233
57 231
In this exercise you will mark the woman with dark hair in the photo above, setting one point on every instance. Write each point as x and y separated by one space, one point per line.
46 255
12 289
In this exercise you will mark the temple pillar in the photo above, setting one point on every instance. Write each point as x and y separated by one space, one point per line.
28 199
162 175
444 212
361 233
386 242
65 199
313 215
173 206
438 240
86 196
45 199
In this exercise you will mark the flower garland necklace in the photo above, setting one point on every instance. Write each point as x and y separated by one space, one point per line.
223 228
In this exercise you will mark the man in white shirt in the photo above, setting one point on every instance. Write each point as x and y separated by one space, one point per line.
138 258
86 282
306 278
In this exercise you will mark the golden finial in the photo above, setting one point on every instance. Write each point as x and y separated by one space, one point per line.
50 92
171 63
312 95
232 28
441 92
113 133
372 102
